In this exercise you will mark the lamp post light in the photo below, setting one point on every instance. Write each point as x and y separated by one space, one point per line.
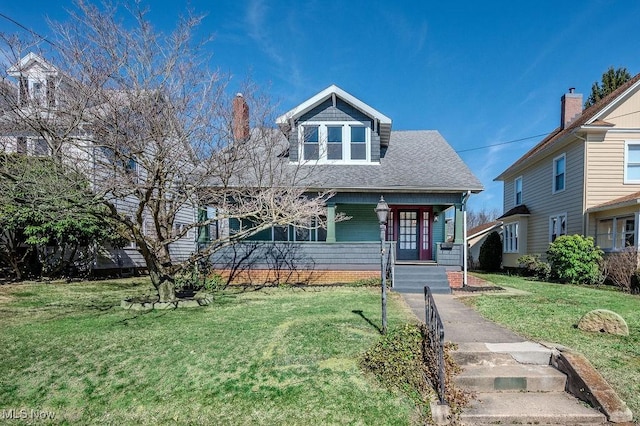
382 210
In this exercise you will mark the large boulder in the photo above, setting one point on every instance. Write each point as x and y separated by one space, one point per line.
604 321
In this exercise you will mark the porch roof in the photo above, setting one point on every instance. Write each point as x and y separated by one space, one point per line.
625 201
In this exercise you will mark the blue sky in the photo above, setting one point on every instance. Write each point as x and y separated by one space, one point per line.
482 73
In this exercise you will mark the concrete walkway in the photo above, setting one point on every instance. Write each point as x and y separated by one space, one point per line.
461 323
512 378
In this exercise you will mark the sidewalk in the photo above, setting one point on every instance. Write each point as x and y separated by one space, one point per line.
461 323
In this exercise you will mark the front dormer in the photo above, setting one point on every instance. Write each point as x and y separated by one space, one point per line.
333 127
37 81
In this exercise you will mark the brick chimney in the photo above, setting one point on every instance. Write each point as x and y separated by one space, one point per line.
240 118
571 107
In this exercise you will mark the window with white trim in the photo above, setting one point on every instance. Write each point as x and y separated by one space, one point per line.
632 162
510 237
40 148
311 143
312 232
557 226
616 233
335 142
517 185
559 173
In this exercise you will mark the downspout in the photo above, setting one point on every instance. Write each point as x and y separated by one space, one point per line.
465 251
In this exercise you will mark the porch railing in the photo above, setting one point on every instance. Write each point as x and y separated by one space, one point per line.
435 342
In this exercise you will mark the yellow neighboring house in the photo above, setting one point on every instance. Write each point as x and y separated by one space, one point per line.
583 178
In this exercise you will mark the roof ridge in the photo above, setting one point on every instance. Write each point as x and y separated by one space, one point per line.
584 116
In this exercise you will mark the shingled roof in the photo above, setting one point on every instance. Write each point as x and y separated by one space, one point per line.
589 117
415 161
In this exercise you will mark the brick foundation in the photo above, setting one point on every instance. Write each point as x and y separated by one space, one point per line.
262 276
456 278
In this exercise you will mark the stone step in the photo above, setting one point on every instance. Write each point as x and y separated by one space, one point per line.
511 378
501 353
550 408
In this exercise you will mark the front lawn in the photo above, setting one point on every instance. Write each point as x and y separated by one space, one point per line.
275 356
550 312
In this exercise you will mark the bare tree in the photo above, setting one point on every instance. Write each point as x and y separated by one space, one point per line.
142 112
480 217
620 267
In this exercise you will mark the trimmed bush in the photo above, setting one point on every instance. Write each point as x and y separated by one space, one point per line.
575 259
491 253
532 266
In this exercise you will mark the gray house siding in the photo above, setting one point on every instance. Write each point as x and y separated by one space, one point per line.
360 256
363 225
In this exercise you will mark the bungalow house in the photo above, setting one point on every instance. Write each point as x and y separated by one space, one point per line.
355 153
583 178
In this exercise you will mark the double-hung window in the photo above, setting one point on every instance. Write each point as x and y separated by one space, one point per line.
616 233
517 184
311 139
335 142
559 173
358 142
510 237
632 162
557 226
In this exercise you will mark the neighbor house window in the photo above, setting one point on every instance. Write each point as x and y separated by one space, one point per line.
510 237
632 162
557 226
21 145
38 90
40 147
559 166
518 190
335 142
616 233
24 91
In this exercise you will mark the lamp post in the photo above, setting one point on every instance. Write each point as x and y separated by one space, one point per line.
382 210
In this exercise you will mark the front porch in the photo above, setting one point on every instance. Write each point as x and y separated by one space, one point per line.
259 262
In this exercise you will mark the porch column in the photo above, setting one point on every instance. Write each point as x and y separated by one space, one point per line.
331 223
458 230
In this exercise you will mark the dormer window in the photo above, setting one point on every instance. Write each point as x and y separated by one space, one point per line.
335 142
311 143
40 92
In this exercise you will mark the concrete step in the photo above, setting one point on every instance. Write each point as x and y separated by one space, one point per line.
551 408
501 353
434 289
511 378
413 278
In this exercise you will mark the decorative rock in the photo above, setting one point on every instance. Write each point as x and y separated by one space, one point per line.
134 305
604 321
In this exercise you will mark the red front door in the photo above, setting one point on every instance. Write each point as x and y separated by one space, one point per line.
412 233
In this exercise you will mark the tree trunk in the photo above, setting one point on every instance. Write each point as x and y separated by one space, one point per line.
166 291
163 283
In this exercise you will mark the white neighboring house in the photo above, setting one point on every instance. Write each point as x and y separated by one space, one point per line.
476 236
39 88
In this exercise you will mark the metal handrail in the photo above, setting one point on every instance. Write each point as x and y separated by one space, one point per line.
436 338
390 263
